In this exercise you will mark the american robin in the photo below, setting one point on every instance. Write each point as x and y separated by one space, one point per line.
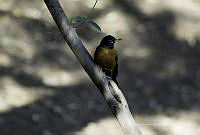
105 57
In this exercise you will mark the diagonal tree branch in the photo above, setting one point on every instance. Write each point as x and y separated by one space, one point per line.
110 91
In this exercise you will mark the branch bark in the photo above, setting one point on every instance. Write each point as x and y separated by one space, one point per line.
110 91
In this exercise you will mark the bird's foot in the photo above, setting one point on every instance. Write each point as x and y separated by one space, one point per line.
109 78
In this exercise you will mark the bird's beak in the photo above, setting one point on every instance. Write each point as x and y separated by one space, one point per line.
118 39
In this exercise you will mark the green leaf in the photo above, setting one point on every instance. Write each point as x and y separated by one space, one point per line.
93 24
78 19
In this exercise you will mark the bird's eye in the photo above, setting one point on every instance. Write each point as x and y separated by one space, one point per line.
111 41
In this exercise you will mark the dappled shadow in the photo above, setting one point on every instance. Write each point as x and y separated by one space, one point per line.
21 77
158 89
65 112
70 108
150 85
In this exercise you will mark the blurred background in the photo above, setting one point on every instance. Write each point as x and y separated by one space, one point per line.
45 91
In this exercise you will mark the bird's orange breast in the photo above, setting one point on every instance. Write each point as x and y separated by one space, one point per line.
105 58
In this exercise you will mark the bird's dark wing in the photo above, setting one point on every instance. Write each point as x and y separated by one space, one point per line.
95 54
115 71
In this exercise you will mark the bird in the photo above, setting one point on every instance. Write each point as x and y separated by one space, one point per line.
106 58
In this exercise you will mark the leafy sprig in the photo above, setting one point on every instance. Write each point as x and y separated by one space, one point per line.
79 20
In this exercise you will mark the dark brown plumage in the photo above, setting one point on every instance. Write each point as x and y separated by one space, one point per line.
106 57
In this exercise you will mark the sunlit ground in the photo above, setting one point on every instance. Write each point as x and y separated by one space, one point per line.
44 90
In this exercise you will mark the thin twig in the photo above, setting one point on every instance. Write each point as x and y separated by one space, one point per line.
87 18
92 9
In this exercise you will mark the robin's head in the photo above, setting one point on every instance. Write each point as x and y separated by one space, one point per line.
108 41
